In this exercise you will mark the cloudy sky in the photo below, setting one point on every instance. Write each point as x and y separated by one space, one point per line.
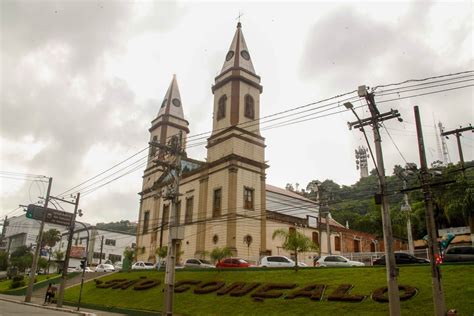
82 80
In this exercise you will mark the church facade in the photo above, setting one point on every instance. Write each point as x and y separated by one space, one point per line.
225 201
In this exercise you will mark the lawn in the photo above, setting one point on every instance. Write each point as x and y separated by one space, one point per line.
5 284
458 285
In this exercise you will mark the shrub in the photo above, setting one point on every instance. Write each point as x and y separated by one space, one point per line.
379 294
341 294
146 284
17 284
208 287
238 288
314 291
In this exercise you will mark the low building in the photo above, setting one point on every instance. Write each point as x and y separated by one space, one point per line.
101 244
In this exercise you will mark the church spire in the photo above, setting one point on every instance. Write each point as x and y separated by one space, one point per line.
238 55
171 104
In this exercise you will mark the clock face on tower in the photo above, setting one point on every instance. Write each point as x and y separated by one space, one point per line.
176 102
245 55
229 55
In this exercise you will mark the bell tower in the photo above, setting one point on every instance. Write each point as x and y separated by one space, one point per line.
236 156
236 114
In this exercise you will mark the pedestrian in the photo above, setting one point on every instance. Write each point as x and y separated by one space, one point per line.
49 293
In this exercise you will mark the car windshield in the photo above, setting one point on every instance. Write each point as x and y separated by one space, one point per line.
242 261
204 261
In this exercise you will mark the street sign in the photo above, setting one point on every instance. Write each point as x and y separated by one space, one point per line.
52 216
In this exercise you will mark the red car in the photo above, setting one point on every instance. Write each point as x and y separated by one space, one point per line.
233 263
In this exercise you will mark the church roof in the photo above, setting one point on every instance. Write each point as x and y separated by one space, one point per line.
238 55
171 104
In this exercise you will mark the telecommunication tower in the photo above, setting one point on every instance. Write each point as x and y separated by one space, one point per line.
361 155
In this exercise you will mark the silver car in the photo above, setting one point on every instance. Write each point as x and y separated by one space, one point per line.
105 268
198 263
337 261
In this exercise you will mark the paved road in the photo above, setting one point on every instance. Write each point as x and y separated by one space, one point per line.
9 308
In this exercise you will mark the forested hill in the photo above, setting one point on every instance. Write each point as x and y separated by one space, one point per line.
355 204
122 226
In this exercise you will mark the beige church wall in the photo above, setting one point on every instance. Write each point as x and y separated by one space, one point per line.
248 226
188 244
215 227
239 147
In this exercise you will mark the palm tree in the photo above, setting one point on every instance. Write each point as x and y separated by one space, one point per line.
294 241
217 254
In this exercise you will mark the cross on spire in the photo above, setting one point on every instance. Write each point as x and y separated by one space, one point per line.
238 17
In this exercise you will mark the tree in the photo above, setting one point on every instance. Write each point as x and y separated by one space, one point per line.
58 256
21 258
3 260
161 253
295 241
50 238
217 254
129 256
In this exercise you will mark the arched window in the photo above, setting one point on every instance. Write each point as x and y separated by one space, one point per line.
249 107
221 105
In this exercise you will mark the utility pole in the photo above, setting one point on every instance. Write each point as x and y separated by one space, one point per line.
4 229
173 150
458 133
381 197
101 248
68 250
438 295
34 264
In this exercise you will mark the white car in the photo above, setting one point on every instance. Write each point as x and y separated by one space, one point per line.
337 261
105 268
78 269
140 265
279 262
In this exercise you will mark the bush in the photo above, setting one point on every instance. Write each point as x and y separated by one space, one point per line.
17 284
18 278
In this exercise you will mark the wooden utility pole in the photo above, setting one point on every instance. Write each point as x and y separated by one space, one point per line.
458 133
34 264
433 250
381 197
173 150
62 285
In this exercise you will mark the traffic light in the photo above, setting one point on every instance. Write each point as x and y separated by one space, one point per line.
83 264
30 211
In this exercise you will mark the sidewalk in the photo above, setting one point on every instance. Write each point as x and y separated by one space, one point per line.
37 301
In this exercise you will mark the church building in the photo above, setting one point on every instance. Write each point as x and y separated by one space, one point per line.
224 201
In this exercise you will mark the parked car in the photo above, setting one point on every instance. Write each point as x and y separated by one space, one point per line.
71 269
233 263
140 265
78 269
198 263
459 254
118 266
105 268
337 261
279 261
162 266
401 258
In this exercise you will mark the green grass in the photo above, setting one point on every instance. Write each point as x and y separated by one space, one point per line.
5 284
458 283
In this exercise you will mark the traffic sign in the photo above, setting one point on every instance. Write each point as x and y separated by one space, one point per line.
52 216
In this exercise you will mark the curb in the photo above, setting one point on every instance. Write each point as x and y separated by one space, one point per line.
47 307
